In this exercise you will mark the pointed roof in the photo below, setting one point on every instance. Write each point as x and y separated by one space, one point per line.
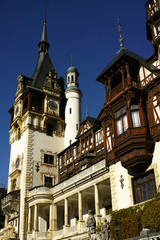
123 52
44 64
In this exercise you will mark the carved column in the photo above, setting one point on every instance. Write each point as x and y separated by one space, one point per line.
122 72
106 93
66 212
109 83
96 193
141 113
128 75
104 135
29 101
54 217
80 206
29 219
36 217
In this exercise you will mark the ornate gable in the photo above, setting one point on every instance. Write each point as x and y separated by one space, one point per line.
87 123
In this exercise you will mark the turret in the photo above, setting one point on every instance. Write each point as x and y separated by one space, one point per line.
153 23
73 106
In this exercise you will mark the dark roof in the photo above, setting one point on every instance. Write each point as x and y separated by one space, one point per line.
44 65
124 52
89 119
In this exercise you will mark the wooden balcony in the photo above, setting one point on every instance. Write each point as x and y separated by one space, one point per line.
134 148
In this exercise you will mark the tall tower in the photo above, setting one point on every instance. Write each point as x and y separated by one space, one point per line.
153 24
36 135
73 106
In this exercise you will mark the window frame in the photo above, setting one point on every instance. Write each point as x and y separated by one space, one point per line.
135 110
48 184
121 117
144 187
48 159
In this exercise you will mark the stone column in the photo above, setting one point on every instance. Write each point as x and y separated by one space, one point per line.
66 212
80 206
36 217
55 217
96 193
51 217
29 219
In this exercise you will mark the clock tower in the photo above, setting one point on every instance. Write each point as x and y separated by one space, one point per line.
36 134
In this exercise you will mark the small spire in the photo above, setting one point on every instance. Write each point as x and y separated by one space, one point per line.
71 61
86 109
120 33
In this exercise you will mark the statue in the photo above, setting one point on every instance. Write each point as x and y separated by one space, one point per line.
91 225
105 230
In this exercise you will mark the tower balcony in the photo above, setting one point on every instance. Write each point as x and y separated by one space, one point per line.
134 148
10 203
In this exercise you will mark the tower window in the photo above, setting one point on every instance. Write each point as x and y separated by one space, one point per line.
14 184
144 187
72 79
19 133
48 181
70 142
68 79
50 129
48 159
70 110
76 126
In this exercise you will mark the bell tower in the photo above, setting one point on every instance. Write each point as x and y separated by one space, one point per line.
153 24
73 106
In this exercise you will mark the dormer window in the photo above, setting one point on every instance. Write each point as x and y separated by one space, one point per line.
135 116
121 120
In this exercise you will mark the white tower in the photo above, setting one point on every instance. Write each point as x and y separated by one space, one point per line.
73 106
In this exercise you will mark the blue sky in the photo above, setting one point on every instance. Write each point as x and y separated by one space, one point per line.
85 29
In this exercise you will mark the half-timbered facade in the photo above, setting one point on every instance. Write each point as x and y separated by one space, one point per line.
106 163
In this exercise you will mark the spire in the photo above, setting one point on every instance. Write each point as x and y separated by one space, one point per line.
43 44
120 33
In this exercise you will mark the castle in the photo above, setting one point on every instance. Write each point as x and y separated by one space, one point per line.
61 167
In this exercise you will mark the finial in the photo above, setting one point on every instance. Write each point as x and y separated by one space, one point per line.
71 61
86 109
120 33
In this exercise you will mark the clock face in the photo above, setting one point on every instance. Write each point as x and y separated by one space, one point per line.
52 105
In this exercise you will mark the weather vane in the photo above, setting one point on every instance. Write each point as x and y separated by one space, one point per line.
120 33
71 61
86 109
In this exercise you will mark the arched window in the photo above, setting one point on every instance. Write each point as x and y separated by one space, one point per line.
72 79
68 79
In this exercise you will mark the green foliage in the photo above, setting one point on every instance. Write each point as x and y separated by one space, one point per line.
151 215
129 220
133 219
